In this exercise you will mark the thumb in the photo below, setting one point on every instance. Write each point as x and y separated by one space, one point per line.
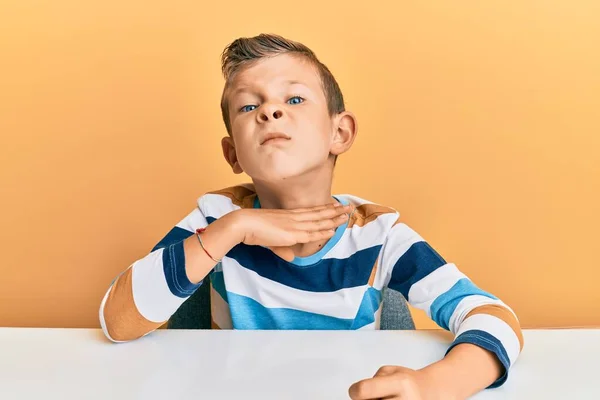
284 252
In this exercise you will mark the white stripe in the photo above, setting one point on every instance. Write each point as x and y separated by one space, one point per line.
102 321
400 239
219 310
466 305
497 328
378 316
342 303
216 205
103 304
380 279
358 238
151 293
193 221
424 292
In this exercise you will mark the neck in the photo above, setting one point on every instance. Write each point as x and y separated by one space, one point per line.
308 190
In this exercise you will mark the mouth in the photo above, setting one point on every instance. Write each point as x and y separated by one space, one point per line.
274 137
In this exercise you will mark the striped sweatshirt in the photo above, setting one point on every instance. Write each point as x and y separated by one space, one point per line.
339 287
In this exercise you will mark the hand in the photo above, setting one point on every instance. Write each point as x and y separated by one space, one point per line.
280 229
391 382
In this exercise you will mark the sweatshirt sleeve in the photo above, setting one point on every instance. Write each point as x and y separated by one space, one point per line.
450 298
145 295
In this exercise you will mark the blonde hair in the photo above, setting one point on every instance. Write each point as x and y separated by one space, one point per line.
244 51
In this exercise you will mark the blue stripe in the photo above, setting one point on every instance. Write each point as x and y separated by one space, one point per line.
443 307
328 275
490 343
369 305
419 261
175 235
173 259
218 283
250 314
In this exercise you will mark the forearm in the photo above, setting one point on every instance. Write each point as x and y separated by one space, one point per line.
145 295
218 238
466 370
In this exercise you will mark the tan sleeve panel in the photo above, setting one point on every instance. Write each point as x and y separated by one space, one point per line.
373 273
123 320
366 213
240 195
213 324
502 313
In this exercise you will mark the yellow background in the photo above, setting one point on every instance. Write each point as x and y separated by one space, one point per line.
479 122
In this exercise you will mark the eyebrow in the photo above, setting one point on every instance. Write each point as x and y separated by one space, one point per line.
246 88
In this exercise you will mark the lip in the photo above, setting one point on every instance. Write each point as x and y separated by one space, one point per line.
273 136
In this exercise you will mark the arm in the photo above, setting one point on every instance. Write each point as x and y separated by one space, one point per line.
488 337
144 296
466 370
451 299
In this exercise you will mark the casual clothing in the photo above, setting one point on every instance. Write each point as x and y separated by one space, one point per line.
339 287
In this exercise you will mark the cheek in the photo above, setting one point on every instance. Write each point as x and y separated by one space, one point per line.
237 126
242 121
323 130
318 125
241 132
243 152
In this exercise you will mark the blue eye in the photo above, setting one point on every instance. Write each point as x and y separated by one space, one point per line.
295 100
247 108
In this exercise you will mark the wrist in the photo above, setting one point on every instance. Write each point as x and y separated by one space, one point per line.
464 371
437 381
233 223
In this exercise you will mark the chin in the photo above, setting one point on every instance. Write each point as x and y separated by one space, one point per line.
276 172
277 175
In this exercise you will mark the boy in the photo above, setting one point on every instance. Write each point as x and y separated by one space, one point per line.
284 253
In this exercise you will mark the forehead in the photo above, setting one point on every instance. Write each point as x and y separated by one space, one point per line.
275 70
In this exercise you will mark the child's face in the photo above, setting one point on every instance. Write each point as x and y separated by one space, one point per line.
280 98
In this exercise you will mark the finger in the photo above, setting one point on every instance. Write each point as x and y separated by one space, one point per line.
317 208
323 224
325 213
375 388
308 236
320 235
386 370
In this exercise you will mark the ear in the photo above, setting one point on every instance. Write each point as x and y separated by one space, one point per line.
345 131
230 155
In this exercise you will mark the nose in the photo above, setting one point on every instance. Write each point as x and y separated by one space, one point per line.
270 111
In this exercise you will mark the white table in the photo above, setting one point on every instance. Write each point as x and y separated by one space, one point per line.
282 365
